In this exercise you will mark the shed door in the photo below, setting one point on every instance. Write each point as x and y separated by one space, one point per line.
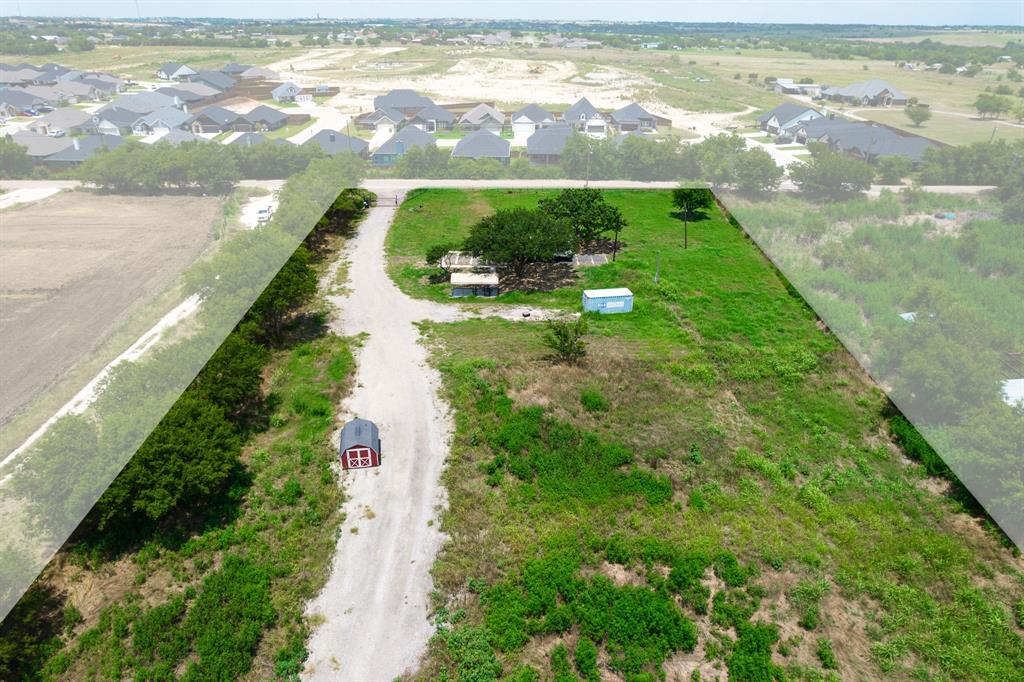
360 457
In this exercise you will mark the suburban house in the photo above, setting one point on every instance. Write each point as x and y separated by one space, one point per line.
163 120
172 71
785 116
81 149
545 146
190 93
868 141
63 121
386 120
633 117
214 120
115 121
214 79
250 139
433 118
234 70
38 147
142 102
528 120
333 142
177 136
406 138
585 117
258 73
483 144
264 118
285 92
21 101
483 117
870 93
408 102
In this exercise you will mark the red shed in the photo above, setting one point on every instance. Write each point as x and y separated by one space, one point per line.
360 445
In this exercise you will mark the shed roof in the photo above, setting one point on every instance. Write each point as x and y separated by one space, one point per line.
360 432
607 293
474 279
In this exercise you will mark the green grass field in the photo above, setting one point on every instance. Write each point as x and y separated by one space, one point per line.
718 460
949 128
141 63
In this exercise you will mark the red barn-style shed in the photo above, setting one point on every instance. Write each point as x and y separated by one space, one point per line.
360 445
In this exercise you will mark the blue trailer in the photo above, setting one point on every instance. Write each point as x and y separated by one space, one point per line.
608 301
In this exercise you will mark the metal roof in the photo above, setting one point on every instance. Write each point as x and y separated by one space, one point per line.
607 293
360 432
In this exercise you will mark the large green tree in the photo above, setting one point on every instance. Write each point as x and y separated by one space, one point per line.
588 213
517 237
832 175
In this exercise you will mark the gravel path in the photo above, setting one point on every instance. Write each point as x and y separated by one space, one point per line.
374 604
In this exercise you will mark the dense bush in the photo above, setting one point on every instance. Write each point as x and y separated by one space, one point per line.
751 657
593 401
227 620
517 237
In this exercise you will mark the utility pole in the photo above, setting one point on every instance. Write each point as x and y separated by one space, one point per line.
590 150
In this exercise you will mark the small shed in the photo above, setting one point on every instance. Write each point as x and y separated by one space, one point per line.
360 445
474 284
607 301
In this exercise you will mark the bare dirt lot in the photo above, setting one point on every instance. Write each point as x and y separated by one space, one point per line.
74 268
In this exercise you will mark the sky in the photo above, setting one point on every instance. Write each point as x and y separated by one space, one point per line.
917 12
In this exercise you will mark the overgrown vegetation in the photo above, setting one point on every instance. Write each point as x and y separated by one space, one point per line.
735 480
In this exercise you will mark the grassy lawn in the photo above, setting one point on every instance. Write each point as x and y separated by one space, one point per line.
947 127
288 130
713 489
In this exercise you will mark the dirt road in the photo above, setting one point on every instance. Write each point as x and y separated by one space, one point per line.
374 605
375 602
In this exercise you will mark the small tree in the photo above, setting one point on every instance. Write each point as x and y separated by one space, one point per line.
565 339
832 175
918 114
689 200
437 254
892 169
517 237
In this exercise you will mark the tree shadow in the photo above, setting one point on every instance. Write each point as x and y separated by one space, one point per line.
538 277
31 632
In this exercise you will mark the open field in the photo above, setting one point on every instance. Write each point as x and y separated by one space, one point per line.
141 63
950 128
717 424
964 37
77 266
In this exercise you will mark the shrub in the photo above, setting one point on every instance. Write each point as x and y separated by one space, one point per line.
826 655
471 655
586 659
806 598
593 401
751 657
227 620
560 668
565 339
685 578
728 569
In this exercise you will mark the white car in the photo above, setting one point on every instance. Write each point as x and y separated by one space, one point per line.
56 132
263 215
